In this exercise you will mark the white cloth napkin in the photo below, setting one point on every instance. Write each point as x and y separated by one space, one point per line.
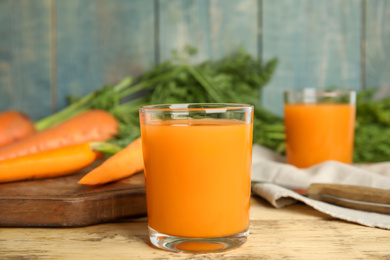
273 180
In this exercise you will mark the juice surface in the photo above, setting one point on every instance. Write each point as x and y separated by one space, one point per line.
197 176
319 132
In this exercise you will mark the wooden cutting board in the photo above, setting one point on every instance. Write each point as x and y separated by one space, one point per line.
61 202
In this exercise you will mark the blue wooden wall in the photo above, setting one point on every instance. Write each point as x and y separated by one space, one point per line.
52 48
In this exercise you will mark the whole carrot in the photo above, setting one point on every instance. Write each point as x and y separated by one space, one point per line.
121 165
50 163
89 126
14 126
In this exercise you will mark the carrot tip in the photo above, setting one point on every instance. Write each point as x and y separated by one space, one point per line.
123 164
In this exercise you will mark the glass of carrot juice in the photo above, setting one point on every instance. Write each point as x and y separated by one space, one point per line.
197 160
319 126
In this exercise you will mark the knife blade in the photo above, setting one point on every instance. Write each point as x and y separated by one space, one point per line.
351 196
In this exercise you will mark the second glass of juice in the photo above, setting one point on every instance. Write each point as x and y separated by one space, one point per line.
197 171
319 126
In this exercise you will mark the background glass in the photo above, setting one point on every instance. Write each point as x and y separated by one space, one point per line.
319 126
197 171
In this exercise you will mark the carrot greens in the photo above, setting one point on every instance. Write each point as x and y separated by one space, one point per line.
372 131
237 78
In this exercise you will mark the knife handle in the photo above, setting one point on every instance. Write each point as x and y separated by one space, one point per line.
351 196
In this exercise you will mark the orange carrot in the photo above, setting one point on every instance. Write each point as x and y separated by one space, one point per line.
89 126
121 165
14 126
51 163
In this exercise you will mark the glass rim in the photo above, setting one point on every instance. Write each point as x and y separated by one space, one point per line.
329 93
195 107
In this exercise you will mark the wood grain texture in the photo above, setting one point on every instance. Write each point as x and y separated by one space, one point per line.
294 232
61 202
25 57
100 42
378 46
351 196
215 27
317 42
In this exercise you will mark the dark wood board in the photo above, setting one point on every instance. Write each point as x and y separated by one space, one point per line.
61 202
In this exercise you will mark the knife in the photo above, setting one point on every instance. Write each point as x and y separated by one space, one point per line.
351 196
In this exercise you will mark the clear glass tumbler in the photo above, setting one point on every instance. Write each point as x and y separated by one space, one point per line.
197 172
319 126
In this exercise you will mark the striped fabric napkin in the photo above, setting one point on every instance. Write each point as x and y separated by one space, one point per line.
273 180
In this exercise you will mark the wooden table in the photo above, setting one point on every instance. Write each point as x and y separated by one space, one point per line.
295 232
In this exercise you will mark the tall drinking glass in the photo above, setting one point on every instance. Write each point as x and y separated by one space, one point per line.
319 126
197 171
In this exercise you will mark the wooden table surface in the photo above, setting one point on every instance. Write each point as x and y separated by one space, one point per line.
295 232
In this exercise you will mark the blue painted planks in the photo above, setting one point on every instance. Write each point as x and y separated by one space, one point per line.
100 42
215 27
377 43
25 57
234 23
317 43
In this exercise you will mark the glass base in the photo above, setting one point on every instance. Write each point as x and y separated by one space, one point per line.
197 245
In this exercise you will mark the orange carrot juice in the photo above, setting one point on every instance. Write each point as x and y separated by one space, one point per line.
197 174
319 132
